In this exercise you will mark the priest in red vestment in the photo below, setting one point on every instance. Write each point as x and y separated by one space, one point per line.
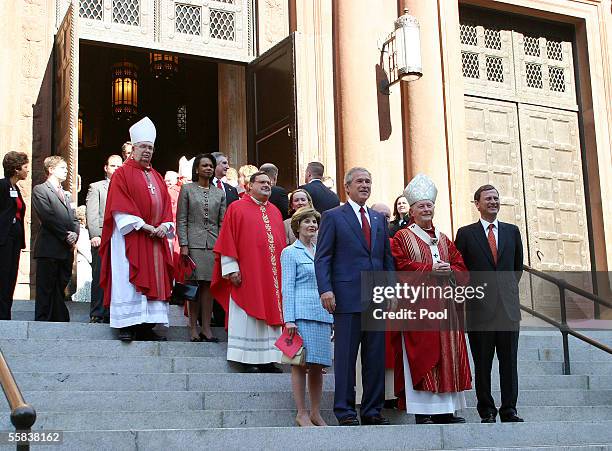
435 370
247 277
136 272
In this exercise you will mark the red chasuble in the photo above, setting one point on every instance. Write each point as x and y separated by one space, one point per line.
438 358
254 235
150 258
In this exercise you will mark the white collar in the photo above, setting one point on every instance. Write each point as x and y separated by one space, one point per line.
356 207
257 201
486 224
315 180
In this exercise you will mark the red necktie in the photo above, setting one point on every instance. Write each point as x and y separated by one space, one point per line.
219 185
492 244
365 227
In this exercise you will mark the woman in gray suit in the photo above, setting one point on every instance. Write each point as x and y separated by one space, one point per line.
305 315
200 211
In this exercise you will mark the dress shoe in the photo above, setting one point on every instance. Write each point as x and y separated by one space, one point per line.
348 421
212 339
376 420
95 320
269 368
391 403
149 335
488 419
512 418
126 334
423 419
447 418
249 369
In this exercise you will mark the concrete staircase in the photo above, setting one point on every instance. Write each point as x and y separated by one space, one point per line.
107 395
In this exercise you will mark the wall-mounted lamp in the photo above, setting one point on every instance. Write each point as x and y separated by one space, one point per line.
403 47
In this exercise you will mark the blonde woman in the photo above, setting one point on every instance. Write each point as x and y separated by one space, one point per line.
304 315
297 199
244 174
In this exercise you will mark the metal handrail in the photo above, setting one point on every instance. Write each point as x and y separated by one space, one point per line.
23 414
563 327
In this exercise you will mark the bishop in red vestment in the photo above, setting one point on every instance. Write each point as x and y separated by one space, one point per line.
136 272
435 370
247 277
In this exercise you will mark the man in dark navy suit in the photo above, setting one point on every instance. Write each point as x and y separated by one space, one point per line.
352 239
493 252
323 198
279 196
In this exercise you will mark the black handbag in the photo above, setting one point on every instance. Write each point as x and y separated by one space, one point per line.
182 292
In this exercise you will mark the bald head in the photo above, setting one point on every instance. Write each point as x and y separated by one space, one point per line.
383 209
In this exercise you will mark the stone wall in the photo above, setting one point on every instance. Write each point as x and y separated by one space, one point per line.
26 42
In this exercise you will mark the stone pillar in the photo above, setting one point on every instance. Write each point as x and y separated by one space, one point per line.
315 84
368 122
433 112
273 22
232 113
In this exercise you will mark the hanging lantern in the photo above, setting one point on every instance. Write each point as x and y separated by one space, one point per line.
80 128
125 90
163 65
408 44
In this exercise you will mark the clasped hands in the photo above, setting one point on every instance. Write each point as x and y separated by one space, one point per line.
71 238
155 232
441 269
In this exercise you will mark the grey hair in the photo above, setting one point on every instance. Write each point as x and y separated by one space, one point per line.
348 177
218 154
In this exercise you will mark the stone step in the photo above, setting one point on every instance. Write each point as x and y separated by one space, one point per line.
398 437
193 419
83 331
256 400
75 381
115 348
154 364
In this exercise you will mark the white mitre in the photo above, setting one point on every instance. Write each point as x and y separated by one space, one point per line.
185 167
143 130
421 187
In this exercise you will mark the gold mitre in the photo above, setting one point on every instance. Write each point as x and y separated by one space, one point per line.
143 130
421 187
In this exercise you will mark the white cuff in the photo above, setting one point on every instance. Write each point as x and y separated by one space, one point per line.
228 265
126 223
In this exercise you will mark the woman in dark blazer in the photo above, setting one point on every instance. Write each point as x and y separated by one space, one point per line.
200 211
12 234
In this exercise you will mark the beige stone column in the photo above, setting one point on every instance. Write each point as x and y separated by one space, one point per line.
273 22
368 123
315 84
232 113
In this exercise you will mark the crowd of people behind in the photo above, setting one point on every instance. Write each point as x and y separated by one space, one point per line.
269 263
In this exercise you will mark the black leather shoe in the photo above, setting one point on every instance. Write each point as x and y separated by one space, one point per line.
447 418
126 334
95 320
376 420
488 419
423 419
512 418
269 368
149 335
348 421
246 368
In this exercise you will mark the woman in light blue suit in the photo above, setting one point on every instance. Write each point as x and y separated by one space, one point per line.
304 314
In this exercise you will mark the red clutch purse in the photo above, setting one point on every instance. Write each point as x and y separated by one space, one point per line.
289 346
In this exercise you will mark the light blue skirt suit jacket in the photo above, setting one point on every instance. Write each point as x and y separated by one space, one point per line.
302 305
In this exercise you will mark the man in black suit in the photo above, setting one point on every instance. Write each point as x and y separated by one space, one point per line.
279 196
54 248
231 193
323 198
96 204
493 252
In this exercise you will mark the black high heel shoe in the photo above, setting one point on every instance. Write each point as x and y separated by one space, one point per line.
205 339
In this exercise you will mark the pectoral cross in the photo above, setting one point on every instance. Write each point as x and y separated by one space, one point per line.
435 255
151 188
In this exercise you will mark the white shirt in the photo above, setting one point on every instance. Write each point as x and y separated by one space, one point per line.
486 225
214 182
356 207
315 180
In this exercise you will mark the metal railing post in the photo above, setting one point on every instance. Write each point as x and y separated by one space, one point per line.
564 334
